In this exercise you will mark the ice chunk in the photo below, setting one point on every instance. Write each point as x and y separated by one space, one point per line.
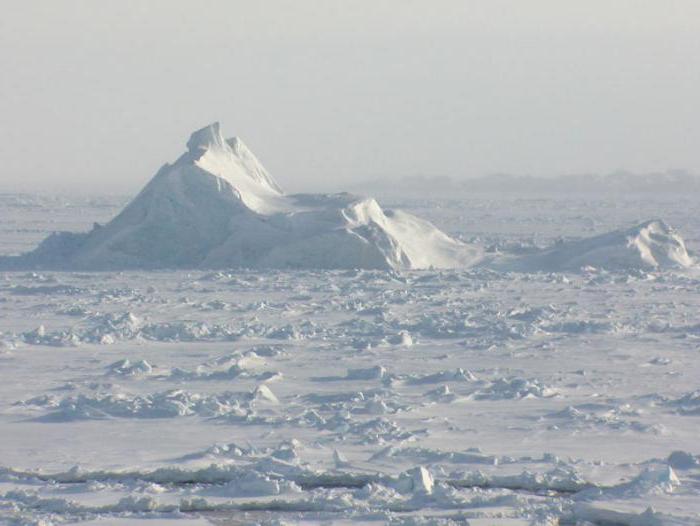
263 392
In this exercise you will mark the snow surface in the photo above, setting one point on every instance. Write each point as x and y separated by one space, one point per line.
473 396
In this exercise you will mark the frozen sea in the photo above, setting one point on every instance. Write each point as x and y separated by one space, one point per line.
354 397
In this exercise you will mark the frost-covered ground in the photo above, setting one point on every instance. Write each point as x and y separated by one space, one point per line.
244 397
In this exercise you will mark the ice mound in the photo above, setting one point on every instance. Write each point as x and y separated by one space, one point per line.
233 407
652 245
416 480
217 206
650 481
515 389
126 367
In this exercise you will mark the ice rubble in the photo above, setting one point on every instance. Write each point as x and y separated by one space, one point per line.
217 207
126 367
277 479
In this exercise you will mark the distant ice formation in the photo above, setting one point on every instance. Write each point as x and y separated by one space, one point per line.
217 207
651 245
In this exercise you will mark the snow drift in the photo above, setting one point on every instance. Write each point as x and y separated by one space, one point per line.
652 245
217 206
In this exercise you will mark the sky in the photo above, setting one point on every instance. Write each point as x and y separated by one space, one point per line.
96 96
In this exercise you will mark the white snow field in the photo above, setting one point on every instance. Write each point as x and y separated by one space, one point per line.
549 375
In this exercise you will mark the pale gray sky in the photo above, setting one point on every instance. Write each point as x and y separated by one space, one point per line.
99 94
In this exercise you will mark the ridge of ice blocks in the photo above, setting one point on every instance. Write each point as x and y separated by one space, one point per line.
217 207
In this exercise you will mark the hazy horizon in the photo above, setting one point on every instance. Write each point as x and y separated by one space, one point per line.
99 96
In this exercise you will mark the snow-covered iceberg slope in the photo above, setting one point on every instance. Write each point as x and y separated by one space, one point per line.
652 245
217 206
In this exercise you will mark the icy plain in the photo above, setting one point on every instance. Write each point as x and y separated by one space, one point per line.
470 396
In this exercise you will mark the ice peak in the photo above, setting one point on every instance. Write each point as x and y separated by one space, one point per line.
238 146
206 138
229 159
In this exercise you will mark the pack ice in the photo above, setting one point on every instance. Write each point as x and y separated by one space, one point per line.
472 397
217 206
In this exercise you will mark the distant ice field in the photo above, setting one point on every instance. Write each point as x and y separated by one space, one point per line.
354 397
